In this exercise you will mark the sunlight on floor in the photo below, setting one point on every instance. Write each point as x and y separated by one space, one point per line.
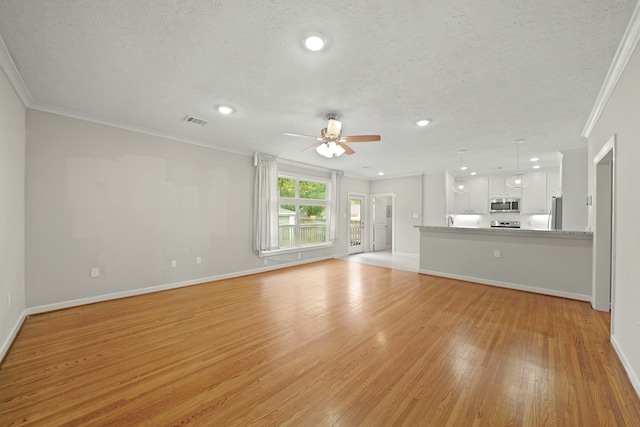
387 259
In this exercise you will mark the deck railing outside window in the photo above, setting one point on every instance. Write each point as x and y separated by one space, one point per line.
309 234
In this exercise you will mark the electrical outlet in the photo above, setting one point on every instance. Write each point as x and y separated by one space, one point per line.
8 299
174 263
299 255
496 253
198 260
95 272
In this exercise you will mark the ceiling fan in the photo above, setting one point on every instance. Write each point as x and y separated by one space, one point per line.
332 144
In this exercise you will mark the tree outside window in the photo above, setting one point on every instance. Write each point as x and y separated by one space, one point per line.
303 211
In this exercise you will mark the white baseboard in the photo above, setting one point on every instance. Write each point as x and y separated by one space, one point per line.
406 254
142 291
544 291
633 376
6 344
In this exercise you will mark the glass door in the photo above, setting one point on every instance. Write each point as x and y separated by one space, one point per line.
356 224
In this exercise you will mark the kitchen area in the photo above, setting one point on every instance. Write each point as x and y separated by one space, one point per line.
488 201
531 237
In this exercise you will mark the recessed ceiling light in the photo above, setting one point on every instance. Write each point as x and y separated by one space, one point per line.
423 122
473 173
380 173
463 168
534 159
225 109
314 43
536 167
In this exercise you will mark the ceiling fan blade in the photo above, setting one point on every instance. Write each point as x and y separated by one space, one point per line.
347 150
361 138
303 136
313 147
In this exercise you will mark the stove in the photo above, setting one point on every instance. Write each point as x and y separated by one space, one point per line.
505 224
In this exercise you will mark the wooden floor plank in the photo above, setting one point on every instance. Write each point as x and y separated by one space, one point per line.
329 343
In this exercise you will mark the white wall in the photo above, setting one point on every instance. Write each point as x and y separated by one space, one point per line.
408 201
434 199
620 117
12 243
128 204
544 262
574 189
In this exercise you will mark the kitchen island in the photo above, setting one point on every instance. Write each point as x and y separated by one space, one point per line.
552 262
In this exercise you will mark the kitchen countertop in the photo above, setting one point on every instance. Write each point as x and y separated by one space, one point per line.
515 232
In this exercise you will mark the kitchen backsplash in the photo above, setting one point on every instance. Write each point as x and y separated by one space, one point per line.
527 221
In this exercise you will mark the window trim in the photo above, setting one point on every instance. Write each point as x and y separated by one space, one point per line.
298 201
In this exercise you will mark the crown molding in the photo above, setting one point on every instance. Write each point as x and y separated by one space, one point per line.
13 75
625 50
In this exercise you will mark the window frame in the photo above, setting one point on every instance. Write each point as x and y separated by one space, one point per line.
297 201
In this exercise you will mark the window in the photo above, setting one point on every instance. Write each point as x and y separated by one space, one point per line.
303 208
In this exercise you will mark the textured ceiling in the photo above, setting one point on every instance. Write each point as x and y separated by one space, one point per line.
486 73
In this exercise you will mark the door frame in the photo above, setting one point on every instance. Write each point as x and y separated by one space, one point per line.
365 220
604 247
392 196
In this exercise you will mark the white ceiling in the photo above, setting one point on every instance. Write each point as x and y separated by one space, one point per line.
486 72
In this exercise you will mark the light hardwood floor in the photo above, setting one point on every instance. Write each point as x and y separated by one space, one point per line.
329 343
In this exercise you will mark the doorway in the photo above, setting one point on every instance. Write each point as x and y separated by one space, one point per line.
356 224
603 237
383 219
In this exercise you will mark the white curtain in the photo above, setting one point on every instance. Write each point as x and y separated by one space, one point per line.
334 211
266 202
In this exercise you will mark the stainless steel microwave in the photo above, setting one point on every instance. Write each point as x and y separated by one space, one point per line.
504 205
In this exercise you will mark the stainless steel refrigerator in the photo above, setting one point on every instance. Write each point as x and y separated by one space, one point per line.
555 215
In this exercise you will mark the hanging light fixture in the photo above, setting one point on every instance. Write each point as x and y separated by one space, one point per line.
461 186
518 180
330 149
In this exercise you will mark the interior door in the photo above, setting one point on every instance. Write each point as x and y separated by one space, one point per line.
356 224
379 224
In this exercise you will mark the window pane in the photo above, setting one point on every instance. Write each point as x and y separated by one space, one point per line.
313 190
313 224
287 225
287 187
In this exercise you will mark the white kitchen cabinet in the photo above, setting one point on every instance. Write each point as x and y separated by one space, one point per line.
498 188
460 203
554 185
479 196
535 196
475 201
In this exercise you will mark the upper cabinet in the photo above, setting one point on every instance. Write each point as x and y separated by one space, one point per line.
534 199
554 184
499 189
479 195
534 195
475 200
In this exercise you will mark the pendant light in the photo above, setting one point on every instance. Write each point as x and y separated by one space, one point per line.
461 186
518 180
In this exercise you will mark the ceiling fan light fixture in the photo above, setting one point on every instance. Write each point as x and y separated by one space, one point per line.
330 149
314 42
